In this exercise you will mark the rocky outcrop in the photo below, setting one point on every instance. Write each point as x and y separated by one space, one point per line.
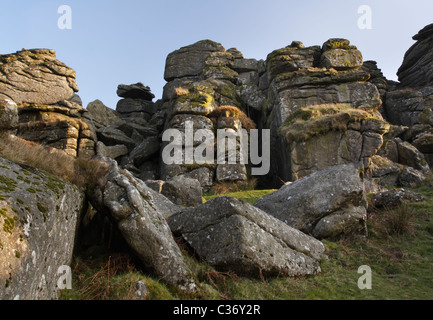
59 126
36 76
322 204
417 67
321 109
39 215
233 235
49 112
213 88
131 134
140 214
410 103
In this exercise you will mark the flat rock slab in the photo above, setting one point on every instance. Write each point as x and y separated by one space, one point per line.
234 235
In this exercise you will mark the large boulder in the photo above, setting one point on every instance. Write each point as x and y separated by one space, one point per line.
183 191
36 76
340 55
234 235
190 60
140 214
327 204
100 115
135 91
322 136
39 214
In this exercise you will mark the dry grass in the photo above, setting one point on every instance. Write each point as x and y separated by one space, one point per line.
99 285
397 221
233 112
81 172
224 187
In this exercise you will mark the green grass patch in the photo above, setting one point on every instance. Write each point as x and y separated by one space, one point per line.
250 196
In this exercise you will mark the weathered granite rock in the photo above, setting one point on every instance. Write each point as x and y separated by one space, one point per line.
129 107
183 191
39 215
411 178
376 77
417 67
8 115
111 136
384 171
410 106
411 156
290 59
36 76
327 135
111 152
145 150
340 55
315 78
190 60
135 91
320 204
393 198
233 235
140 213
204 175
100 115
58 126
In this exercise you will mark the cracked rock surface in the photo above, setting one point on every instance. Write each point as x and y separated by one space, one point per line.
234 235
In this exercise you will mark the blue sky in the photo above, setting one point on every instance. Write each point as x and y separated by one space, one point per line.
114 42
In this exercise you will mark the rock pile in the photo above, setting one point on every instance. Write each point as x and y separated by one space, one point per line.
131 134
205 86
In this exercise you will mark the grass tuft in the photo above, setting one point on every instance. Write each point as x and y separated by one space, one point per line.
83 173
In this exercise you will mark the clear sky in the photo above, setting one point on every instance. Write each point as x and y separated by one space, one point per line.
124 42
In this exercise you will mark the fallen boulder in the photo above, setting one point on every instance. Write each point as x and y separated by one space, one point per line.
141 213
234 235
326 204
